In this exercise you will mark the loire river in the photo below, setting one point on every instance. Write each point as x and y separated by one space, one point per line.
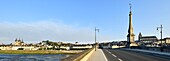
32 57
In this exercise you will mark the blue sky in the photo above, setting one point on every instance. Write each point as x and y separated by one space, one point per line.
75 20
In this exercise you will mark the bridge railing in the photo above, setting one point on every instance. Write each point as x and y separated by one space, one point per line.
79 56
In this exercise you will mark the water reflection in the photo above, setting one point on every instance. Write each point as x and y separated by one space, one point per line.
33 57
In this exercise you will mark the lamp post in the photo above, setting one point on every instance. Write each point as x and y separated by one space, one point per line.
161 37
95 37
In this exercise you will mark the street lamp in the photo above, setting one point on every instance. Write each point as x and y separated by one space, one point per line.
95 37
161 37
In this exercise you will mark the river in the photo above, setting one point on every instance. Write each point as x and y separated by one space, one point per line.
32 57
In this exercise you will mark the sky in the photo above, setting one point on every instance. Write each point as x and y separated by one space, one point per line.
73 21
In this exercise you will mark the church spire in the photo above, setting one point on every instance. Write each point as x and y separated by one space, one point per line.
16 39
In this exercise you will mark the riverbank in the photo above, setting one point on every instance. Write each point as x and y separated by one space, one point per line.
40 51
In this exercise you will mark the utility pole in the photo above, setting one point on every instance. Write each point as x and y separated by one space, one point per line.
161 48
95 38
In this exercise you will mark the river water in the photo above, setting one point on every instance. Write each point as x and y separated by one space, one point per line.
32 57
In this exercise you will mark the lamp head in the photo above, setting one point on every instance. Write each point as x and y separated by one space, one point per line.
157 28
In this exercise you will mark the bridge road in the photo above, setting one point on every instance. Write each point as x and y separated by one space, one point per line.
123 55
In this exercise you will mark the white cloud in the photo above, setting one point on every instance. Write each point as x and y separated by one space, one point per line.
34 32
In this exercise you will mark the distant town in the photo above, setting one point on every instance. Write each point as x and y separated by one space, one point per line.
44 45
143 42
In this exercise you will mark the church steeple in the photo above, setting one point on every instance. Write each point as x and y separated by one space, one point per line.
139 36
16 39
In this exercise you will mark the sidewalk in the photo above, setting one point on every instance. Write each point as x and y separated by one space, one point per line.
97 55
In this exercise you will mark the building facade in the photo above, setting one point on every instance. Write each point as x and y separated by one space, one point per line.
148 41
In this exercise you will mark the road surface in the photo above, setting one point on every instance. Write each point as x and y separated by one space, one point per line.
123 55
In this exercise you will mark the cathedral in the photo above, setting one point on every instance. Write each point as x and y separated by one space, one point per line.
18 42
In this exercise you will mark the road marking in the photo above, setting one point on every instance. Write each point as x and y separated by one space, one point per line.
114 55
111 53
104 56
107 50
120 59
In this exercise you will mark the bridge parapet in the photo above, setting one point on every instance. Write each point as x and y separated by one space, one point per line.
83 56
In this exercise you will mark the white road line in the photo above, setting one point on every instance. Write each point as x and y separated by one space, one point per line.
120 59
104 56
114 55
107 50
111 53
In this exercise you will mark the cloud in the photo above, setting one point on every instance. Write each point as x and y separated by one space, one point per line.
35 32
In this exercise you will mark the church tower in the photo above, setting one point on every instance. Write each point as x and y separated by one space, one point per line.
131 36
139 36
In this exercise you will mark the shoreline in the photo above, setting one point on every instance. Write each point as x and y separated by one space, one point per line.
40 51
